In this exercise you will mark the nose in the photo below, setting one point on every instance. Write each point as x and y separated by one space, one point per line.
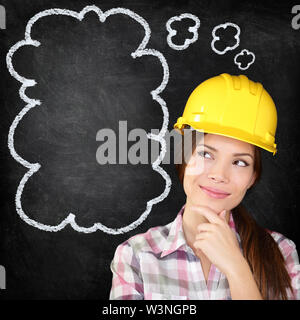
218 173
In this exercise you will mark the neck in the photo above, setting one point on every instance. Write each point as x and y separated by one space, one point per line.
190 222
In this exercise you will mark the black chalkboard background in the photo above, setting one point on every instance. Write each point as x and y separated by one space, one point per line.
87 80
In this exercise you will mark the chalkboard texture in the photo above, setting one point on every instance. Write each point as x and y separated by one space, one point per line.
62 212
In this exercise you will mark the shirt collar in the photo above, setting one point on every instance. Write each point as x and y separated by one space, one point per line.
176 238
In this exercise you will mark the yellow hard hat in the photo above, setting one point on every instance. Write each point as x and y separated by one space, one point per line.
232 106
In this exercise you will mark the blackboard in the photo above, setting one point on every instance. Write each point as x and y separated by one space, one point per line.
62 213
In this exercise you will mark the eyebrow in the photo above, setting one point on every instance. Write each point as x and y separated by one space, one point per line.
235 154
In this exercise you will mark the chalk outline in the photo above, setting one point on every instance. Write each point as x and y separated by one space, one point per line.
242 53
215 38
193 29
31 103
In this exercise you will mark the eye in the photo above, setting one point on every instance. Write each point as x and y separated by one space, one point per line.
245 163
201 153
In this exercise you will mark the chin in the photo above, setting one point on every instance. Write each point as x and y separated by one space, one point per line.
216 205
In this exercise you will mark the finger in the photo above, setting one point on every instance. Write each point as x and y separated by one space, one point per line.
202 235
208 213
197 244
202 227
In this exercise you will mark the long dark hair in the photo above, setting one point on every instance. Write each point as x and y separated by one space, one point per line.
259 248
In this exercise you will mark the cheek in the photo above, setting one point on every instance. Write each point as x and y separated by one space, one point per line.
187 182
190 184
196 166
193 172
240 181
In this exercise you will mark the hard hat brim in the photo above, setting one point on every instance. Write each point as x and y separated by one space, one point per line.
228 132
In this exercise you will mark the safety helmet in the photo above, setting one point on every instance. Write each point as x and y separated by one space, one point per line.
232 106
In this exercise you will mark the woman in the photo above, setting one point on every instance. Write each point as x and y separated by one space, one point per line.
214 249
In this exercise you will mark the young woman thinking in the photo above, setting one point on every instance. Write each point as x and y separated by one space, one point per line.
214 249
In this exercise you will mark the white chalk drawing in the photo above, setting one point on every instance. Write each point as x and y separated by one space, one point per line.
243 52
192 29
32 103
216 38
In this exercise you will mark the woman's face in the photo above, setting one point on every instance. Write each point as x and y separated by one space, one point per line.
214 164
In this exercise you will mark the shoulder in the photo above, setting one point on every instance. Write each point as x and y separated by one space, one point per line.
286 246
150 241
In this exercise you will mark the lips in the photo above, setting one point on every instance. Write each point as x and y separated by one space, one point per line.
215 190
217 195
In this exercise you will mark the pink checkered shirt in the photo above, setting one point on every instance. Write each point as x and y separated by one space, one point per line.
159 265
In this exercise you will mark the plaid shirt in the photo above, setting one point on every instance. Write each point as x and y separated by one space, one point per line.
159 265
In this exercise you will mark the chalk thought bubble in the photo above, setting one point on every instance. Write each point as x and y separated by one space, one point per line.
244 53
216 38
33 168
172 32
